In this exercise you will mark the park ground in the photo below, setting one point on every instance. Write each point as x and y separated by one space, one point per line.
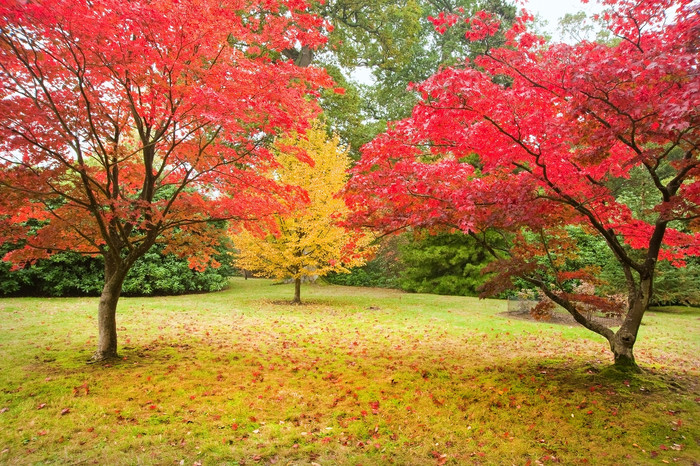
352 376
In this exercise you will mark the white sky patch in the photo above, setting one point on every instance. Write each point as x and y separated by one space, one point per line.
552 11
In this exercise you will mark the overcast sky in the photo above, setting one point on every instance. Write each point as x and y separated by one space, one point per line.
553 10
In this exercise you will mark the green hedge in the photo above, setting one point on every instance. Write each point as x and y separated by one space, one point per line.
447 263
72 274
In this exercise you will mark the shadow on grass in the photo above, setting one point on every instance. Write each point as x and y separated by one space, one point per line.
583 377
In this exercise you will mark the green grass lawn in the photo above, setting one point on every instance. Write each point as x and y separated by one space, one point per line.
354 376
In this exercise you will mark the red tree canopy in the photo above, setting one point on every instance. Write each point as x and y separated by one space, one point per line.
124 121
535 137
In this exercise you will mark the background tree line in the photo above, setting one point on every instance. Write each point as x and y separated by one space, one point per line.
395 44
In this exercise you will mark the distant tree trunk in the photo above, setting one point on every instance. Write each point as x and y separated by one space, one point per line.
297 291
115 274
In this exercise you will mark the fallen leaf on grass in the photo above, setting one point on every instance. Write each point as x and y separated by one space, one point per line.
65 411
440 458
41 406
4 410
85 389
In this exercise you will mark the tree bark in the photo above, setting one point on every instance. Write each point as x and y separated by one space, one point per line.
297 291
622 344
302 57
107 312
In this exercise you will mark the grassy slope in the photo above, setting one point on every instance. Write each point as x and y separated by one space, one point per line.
354 376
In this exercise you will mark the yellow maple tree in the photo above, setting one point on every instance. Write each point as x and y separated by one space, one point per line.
307 240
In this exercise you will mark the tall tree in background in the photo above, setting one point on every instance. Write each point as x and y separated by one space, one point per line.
123 124
394 44
308 239
559 133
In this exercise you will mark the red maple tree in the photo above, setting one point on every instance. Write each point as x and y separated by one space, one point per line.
123 124
536 138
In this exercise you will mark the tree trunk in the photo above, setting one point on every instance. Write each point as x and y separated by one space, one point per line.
302 57
622 341
107 313
622 344
297 291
